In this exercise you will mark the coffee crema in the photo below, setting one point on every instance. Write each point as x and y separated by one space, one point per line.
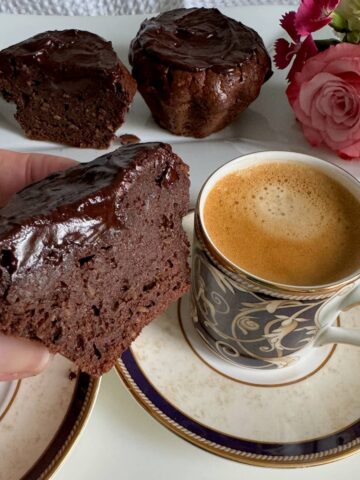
287 223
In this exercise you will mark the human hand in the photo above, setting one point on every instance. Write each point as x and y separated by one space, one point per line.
20 357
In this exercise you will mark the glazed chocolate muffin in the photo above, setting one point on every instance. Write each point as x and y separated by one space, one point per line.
69 87
90 255
197 69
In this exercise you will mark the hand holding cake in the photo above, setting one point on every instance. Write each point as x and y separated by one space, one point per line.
90 255
20 357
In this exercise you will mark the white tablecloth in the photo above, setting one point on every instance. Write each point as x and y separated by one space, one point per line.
119 7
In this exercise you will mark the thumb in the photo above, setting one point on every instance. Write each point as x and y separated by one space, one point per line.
17 170
21 358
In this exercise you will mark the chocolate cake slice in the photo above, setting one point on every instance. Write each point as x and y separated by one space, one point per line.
90 255
69 87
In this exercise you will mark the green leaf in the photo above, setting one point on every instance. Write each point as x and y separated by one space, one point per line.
338 23
353 37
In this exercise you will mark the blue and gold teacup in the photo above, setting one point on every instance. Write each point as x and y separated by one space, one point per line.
254 323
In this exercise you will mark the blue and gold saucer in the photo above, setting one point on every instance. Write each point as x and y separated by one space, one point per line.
301 415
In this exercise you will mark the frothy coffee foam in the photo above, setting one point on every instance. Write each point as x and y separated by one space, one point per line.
285 222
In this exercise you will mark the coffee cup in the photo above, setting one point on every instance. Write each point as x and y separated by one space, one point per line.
265 316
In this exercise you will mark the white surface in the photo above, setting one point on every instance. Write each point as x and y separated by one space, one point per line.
118 7
122 440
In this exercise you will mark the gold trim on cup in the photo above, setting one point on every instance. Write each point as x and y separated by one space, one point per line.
251 281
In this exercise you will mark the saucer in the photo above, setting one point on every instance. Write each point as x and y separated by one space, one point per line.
41 418
302 415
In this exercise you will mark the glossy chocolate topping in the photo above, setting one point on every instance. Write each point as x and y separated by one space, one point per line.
63 54
197 39
77 204
128 139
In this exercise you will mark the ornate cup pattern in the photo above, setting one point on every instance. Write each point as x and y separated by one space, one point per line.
244 327
256 323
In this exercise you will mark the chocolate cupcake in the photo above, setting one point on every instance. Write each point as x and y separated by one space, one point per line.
197 69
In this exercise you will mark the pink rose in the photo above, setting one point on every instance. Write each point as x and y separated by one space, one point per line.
325 96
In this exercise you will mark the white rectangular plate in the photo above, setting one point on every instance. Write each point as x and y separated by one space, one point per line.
269 123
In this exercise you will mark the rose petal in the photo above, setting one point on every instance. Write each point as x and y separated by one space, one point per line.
293 90
317 118
350 152
313 136
345 54
337 53
309 89
325 96
323 105
347 67
337 134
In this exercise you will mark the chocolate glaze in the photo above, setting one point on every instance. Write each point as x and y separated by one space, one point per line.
196 39
72 375
128 138
65 55
75 205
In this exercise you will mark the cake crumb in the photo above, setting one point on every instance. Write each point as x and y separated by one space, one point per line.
128 139
72 375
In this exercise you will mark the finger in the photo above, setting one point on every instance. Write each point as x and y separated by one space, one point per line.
17 170
21 358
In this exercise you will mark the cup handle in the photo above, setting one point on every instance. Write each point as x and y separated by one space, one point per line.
344 300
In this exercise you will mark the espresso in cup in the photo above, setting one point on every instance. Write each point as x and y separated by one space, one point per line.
287 223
